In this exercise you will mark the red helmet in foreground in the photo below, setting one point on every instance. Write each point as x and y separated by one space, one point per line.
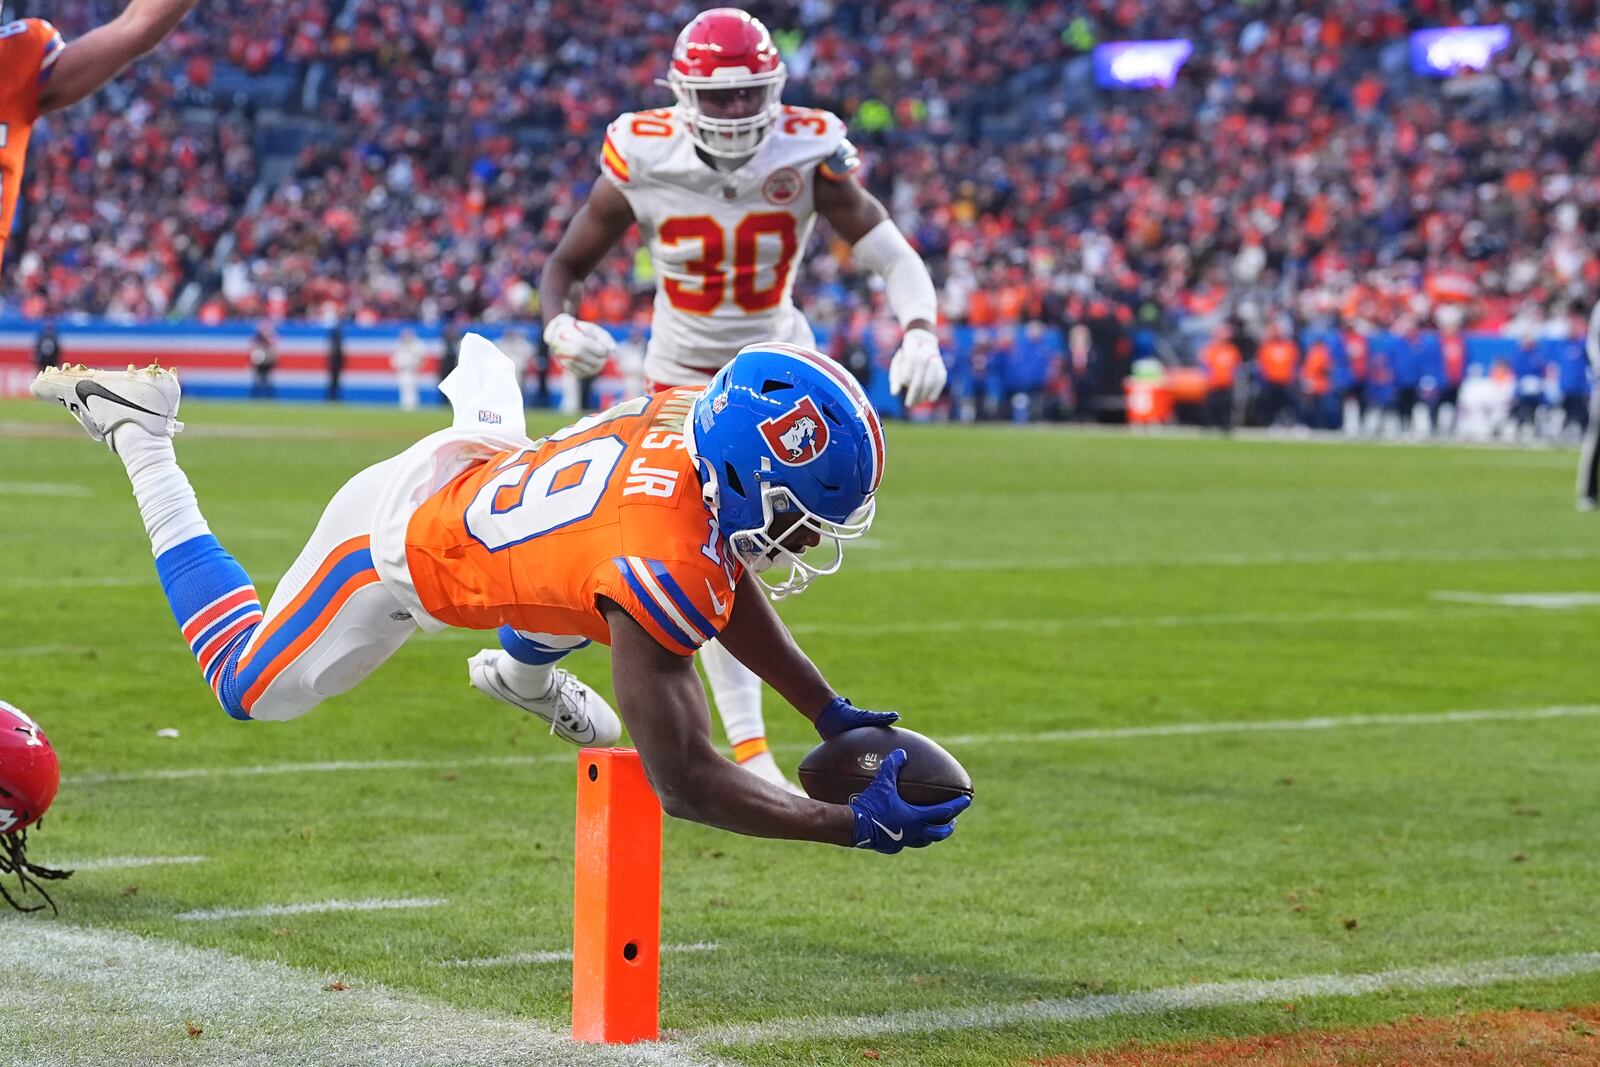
29 775
721 50
29 772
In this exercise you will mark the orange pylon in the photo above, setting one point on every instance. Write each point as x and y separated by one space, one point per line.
616 913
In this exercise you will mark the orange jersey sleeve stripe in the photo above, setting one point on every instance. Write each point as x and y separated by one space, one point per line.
613 160
668 621
52 52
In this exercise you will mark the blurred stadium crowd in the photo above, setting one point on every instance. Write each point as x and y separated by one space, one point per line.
366 160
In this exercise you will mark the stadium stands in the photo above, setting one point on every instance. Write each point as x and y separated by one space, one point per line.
408 159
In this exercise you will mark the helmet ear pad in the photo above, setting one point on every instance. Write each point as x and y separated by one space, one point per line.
731 482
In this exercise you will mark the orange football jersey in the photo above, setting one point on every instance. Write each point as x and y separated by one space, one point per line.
609 507
28 52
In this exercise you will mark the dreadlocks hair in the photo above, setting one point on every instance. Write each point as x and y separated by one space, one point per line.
14 860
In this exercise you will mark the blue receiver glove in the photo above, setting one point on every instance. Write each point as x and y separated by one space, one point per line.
887 824
842 715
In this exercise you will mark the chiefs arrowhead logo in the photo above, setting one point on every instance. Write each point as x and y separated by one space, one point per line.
783 186
8 819
799 435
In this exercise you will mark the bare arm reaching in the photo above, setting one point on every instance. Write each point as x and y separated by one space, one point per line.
595 230
102 53
664 706
758 639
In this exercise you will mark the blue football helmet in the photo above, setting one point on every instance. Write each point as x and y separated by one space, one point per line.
782 431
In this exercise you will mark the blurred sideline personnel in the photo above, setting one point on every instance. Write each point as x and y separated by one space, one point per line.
406 359
652 527
725 188
47 346
41 73
1589 455
1220 358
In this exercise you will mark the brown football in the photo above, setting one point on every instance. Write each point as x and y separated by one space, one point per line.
841 767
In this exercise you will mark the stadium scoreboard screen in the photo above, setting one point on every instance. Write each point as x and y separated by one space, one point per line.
1141 64
1457 49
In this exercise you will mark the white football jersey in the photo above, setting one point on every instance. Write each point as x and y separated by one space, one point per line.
725 245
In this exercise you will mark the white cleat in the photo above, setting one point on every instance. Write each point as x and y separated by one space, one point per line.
102 400
572 709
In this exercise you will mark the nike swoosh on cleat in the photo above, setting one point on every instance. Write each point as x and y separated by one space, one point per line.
893 836
86 389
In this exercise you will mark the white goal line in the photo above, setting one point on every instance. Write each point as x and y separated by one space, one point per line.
1177 729
1149 1002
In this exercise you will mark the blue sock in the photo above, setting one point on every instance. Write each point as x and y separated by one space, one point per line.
216 608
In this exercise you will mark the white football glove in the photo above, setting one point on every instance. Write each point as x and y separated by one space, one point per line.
918 368
581 347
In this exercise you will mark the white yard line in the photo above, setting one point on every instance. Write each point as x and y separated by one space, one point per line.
1180 729
44 489
1149 1002
320 767
1321 722
1226 559
43 651
74 996
110 581
561 956
883 564
118 863
1489 603
312 907
1120 622
1544 601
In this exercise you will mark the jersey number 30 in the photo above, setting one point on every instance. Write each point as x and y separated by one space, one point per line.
706 293
523 501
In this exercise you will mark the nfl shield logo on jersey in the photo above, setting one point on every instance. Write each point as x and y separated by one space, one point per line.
799 435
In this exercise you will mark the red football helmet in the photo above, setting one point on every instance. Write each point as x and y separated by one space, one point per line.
29 772
721 50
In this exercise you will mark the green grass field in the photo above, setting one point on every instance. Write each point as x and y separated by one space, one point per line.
1056 606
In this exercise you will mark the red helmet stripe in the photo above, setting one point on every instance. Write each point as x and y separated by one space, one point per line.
724 37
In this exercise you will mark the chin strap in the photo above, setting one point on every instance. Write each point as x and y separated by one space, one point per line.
14 860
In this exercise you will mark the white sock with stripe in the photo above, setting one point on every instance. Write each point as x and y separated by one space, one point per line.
528 667
166 499
737 692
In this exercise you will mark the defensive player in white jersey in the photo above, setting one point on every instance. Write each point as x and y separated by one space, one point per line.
724 188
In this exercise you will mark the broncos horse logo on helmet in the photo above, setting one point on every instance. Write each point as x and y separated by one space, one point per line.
783 430
799 435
